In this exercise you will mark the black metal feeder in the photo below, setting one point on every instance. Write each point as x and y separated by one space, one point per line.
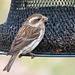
59 39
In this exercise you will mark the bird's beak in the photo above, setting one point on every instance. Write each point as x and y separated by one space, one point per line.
44 19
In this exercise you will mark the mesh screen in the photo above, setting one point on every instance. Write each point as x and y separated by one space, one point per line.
60 30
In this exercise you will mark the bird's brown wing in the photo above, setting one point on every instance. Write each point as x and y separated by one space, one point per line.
25 36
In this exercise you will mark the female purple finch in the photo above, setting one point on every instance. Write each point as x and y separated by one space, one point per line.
28 37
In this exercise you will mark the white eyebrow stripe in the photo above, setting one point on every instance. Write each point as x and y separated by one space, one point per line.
37 24
33 19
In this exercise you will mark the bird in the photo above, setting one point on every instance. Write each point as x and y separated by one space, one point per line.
28 37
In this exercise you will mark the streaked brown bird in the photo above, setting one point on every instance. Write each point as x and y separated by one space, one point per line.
28 37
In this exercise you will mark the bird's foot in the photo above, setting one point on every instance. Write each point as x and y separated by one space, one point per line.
32 55
20 56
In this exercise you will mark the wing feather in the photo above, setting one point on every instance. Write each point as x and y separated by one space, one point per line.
25 36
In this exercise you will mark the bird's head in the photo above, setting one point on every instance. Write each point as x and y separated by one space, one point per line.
36 19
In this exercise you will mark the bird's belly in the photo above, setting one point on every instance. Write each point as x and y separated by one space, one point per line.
31 46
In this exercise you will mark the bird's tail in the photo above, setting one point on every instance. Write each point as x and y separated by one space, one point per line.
11 61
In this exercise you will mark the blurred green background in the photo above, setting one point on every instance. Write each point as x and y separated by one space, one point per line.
38 65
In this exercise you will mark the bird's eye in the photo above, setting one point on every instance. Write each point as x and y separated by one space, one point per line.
38 19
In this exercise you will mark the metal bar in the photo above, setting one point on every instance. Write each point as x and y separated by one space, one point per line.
51 55
3 53
37 55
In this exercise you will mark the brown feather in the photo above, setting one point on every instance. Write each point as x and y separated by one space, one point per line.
28 37
11 61
25 36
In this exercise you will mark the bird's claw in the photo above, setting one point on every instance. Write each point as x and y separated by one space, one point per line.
20 56
32 55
